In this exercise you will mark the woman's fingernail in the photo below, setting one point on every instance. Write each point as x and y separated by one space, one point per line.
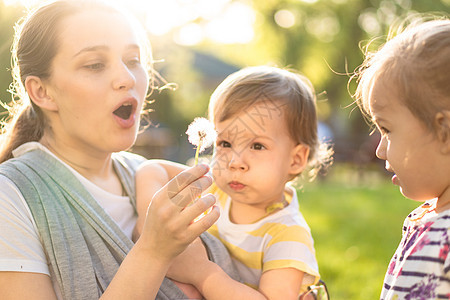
209 199
204 166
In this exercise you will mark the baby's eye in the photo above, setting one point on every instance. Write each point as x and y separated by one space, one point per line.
223 144
258 146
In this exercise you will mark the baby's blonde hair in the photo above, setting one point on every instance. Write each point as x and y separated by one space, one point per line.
416 62
285 89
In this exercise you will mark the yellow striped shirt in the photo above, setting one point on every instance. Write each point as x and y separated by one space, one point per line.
280 240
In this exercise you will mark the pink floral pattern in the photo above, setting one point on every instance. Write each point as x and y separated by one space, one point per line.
420 268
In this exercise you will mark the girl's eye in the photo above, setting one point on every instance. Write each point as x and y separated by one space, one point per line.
257 146
384 130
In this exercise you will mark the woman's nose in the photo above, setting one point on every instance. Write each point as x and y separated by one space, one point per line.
123 77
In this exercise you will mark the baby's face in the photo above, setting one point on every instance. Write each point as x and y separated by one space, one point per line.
410 150
254 155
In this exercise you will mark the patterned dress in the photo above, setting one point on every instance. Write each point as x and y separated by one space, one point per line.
420 266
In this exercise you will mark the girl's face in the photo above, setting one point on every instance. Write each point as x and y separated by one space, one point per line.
410 150
97 83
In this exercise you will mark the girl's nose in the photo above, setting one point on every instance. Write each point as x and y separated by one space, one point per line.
237 162
381 149
123 78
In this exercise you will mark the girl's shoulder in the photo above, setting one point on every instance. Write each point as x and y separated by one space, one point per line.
427 215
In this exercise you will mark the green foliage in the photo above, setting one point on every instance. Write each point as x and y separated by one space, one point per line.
323 43
356 220
8 16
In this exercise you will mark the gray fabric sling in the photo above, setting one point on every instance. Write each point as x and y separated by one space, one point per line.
84 245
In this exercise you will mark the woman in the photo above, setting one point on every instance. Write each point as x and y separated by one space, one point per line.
66 190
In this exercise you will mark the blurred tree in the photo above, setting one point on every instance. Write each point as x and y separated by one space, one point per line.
320 38
8 16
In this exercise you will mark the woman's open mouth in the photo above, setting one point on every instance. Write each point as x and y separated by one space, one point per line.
124 111
125 114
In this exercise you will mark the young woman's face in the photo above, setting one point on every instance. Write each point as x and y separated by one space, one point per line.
410 150
97 82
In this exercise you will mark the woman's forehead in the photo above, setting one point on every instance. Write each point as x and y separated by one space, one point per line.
95 28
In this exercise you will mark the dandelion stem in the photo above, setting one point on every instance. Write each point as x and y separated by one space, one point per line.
198 151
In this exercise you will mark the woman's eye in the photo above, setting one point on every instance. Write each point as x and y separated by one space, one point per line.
95 67
257 146
133 62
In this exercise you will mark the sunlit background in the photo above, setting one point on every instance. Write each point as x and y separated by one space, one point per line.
197 43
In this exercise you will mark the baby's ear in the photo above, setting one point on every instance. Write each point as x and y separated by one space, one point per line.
299 156
37 91
442 123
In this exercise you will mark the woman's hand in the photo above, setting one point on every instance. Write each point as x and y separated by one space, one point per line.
169 226
168 229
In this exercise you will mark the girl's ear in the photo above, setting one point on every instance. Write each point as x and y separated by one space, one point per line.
37 92
442 123
299 161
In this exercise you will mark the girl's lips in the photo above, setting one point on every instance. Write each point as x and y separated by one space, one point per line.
395 179
236 186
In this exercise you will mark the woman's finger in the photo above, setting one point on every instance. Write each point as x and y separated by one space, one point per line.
192 192
204 206
188 185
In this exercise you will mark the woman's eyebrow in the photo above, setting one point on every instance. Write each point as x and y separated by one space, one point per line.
133 46
91 49
103 48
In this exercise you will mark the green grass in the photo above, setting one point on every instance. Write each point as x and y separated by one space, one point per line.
356 219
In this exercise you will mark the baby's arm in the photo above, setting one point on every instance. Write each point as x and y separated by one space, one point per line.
284 283
215 284
150 178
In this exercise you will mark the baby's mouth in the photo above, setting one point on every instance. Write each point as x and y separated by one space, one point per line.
124 111
237 186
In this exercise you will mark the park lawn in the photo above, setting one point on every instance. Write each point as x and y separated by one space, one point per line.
356 224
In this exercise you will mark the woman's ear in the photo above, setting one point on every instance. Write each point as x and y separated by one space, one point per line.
442 124
299 161
38 93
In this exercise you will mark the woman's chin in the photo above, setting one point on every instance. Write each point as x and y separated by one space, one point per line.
124 144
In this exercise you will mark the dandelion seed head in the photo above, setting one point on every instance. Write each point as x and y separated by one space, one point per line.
201 133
